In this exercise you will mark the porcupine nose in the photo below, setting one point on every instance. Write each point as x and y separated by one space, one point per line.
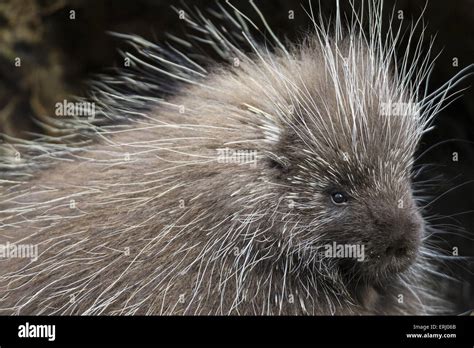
398 237
403 238
398 248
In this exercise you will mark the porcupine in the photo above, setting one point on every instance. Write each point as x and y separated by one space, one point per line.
148 208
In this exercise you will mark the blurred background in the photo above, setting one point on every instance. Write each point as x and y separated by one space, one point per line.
58 54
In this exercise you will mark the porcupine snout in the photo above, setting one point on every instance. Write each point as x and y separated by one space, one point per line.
400 232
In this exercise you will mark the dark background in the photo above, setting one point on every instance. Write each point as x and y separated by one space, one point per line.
58 55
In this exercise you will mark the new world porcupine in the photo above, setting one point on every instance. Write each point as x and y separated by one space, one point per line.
203 188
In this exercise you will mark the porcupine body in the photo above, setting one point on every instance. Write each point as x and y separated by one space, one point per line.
157 213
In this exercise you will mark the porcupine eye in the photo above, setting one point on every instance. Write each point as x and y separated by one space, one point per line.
338 198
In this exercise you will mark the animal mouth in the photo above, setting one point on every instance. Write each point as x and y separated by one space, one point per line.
393 261
379 267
